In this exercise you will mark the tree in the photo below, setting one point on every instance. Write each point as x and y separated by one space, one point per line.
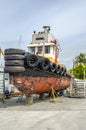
79 69
81 58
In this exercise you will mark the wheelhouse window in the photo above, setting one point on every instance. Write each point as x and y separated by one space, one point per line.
39 50
47 49
32 49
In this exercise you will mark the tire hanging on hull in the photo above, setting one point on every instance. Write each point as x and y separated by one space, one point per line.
14 51
53 67
44 64
58 69
14 57
31 60
14 63
14 69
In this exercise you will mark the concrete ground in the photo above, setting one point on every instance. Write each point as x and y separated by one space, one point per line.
61 104
65 114
42 120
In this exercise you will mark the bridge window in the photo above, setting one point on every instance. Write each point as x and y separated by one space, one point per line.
32 49
39 50
47 49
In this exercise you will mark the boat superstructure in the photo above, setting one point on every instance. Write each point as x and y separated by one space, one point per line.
44 44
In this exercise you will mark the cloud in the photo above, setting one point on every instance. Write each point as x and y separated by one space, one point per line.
66 18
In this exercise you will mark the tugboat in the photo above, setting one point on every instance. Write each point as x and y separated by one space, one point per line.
38 70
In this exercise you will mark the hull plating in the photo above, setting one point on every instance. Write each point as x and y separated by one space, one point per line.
32 85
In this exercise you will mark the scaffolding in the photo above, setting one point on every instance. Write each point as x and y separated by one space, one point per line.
78 88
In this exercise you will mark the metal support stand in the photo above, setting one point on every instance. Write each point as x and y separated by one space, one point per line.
29 99
53 95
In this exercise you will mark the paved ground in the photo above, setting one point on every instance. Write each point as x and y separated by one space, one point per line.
42 120
65 114
62 104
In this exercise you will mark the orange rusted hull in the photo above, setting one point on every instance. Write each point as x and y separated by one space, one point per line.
37 85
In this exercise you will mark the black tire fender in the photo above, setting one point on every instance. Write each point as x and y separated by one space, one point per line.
14 57
44 64
31 60
14 51
14 63
63 71
58 69
52 67
14 69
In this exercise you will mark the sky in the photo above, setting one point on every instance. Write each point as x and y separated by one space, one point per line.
67 18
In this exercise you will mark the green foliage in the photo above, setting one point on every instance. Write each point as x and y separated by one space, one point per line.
79 71
81 58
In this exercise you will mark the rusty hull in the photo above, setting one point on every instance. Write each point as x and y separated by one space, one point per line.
36 85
